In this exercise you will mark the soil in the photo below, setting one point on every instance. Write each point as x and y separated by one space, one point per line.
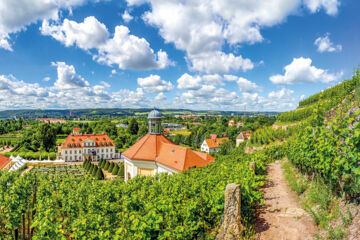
281 217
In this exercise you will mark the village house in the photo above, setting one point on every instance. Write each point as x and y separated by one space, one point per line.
154 153
80 147
51 120
212 144
232 123
245 135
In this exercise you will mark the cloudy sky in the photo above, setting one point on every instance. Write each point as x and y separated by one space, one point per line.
263 55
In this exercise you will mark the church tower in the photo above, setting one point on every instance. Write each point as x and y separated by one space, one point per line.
154 119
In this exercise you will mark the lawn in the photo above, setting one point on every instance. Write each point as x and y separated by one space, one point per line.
181 132
74 171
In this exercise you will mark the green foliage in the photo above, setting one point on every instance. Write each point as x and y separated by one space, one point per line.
121 170
297 182
99 174
106 166
187 205
115 170
133 127
268 135
111 166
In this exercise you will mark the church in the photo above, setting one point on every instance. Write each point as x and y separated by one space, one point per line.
154 153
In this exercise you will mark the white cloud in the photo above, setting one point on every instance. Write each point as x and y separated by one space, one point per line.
123 49
46 79
244 84
219 62
160 97
330 6
86 35
129 98
113 71
154 84
325 45
126 16
284 93
67 77
189 82
300 70
15 16
202 28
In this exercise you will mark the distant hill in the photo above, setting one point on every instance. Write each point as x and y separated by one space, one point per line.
111 112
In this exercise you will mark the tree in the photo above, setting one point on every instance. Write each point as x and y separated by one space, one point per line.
99 174
106 166
111 166
94 170
46 135
133 127
121 170
142 130
115 170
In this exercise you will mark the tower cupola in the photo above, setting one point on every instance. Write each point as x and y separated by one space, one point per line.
154 119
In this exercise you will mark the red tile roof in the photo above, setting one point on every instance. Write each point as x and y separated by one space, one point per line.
215 143
4 161
155 147
244 135
76 140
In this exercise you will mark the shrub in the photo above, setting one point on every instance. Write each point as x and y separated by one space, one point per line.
99 174
115 170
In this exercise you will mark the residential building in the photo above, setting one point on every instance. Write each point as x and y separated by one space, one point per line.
238 124
154 153
212 144
51 120
121 125
80 147
245 135
4 161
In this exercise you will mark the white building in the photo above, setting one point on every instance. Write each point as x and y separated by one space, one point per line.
212 144
154 153
79 147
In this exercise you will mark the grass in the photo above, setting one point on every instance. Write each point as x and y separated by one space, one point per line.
298 183
181 132
60 141
320 203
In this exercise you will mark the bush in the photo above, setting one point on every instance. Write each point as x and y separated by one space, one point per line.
99 174
111 166
115 170
121 170
106 166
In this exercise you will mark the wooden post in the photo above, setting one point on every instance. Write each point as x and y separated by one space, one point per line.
231 226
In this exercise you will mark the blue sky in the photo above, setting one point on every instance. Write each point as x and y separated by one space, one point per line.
205 54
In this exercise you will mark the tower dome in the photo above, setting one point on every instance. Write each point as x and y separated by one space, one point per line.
154 119
154 114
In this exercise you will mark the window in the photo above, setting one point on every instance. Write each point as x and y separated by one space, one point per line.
88 150
107 150
65 158
68 145
70 152
111 149
70 158
75 151
106 156
65 152
102 150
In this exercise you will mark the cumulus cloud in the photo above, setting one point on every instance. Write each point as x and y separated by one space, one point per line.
330 6
67 77
160 97
128 98
283 93
244 84
17 15
126 16
154 84
300 70
325 45
123 49
202 28
189 82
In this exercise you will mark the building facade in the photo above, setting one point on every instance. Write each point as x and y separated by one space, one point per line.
154 153
212 144
80 147
245 135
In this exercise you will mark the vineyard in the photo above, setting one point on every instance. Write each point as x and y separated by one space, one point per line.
187 205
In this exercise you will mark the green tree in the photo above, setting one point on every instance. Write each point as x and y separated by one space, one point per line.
46 135
115 170
133 127
99 174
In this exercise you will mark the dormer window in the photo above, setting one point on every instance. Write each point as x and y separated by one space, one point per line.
68 145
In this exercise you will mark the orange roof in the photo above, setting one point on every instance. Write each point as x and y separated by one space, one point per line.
215 143
76 129
156 147
76 140
4 161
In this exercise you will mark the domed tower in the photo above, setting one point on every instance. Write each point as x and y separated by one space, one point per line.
154 119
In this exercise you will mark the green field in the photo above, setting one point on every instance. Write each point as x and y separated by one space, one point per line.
181 132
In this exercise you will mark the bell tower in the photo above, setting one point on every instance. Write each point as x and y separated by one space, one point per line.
154 119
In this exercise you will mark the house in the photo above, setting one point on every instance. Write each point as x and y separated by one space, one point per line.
245 135
121 125
4 161
80 147
154 153
232 123
51 120
213 143
76 130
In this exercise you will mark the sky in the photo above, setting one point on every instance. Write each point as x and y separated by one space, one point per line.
238 55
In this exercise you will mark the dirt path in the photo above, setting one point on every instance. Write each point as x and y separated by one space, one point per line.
282 218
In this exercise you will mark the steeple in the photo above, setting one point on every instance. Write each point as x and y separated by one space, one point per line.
154 119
